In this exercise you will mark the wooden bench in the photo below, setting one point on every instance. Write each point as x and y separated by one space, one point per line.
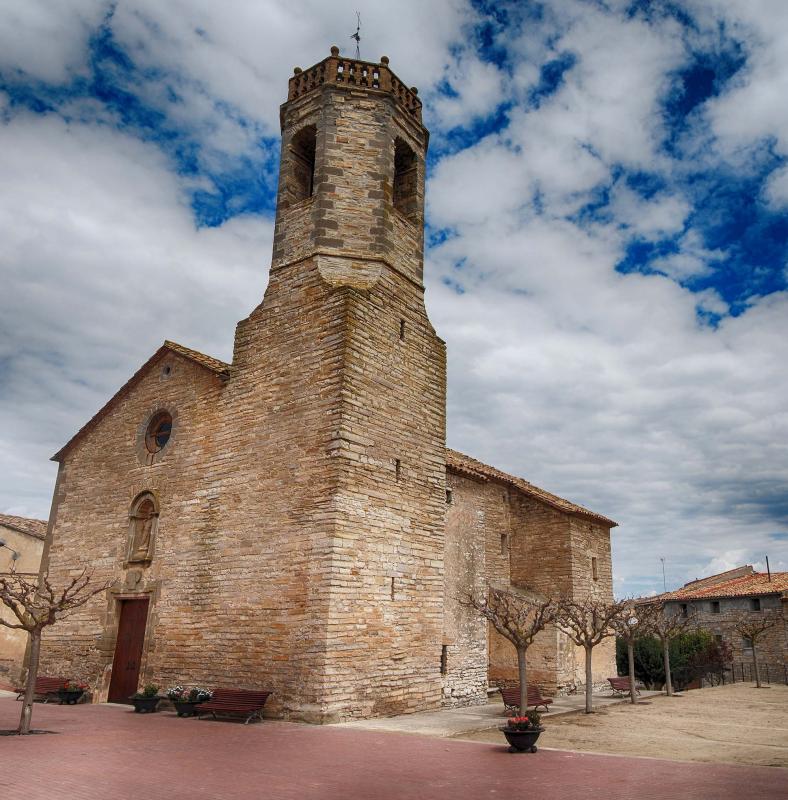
235 702
621 685
511 698
45 687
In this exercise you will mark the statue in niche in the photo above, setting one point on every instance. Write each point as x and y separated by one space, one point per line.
143 520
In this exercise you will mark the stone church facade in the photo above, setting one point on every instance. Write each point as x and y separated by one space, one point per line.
293 520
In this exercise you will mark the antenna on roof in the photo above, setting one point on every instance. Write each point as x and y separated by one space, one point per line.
357 35
768 571
664 584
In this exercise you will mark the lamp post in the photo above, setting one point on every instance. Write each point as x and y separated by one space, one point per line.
14 555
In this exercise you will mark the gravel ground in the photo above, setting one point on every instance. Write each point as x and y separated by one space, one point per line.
736 724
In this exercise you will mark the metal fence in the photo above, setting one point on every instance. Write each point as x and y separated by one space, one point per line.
743 671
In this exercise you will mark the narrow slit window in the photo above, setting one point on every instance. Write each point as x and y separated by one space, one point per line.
504 544
402 330
449 497
392 587
594 568
398 469
444 659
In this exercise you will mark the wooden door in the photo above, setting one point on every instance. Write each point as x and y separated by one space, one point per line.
128 650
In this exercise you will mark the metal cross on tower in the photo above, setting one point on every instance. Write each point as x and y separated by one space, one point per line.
357 35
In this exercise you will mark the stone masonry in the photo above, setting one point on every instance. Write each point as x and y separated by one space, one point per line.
297 535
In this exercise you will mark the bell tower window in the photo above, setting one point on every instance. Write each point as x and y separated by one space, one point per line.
302 154
405 180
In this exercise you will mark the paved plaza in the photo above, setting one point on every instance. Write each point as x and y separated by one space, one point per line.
105 751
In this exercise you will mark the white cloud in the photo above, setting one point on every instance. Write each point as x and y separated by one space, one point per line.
777 189
103 262
693 260
652 218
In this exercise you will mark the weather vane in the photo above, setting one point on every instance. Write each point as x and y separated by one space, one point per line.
357 35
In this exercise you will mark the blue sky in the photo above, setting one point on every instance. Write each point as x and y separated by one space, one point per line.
607 219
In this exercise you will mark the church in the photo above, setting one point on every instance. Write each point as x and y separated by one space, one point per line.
293 520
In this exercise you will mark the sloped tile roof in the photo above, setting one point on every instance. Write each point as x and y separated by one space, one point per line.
33 527
744 586
213 364
458 462
219 367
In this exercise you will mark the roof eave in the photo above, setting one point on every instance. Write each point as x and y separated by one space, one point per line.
223 375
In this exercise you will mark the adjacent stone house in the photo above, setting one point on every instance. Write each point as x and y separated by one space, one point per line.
720 601
21 545
293 520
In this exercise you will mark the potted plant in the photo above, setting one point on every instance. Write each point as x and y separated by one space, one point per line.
71 692
146 700
522 732
187 700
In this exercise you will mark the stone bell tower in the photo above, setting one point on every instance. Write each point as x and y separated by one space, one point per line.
348 383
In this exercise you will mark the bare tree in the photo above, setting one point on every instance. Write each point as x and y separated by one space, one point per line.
667 625
635 621
587 623
518 615
36 604
752 628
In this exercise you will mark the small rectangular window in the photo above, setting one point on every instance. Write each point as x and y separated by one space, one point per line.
449 496
746 643
715 606
444 659
594 568
398 469
402 330
718 638
684 610
504 544
755 604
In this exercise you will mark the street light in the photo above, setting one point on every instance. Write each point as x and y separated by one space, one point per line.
14 554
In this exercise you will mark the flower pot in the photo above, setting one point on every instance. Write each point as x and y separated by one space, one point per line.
521 741
145 705
70 696
186 708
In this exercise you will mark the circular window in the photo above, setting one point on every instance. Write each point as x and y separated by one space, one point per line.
158 433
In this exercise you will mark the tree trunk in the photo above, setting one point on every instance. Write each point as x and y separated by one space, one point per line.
589 683
666 659
30 686
523 672
631 657
755 666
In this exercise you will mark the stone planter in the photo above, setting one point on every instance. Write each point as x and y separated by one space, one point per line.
145 705
70 696
521 741
186 708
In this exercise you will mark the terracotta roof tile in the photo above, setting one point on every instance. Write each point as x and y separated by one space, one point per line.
32 527
211 363
756 584
458 462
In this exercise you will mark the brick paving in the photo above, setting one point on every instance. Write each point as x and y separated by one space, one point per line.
109 752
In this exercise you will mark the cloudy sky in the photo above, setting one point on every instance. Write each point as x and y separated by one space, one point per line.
607 212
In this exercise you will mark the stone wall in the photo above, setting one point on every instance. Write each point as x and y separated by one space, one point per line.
772 645
530 544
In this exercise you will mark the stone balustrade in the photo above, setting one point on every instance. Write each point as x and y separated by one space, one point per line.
351 72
